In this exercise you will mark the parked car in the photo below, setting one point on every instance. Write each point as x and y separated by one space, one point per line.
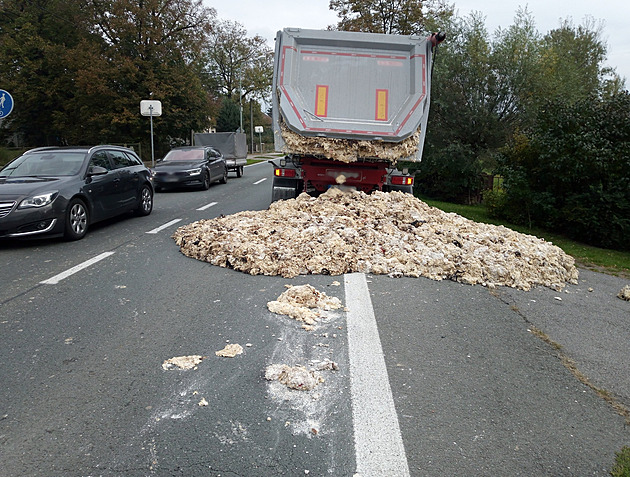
63 190
192 166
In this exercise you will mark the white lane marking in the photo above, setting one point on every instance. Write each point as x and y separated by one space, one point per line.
261 180
378 443
207 206
71 271
162 227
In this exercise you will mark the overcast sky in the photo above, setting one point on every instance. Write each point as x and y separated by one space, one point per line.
266 17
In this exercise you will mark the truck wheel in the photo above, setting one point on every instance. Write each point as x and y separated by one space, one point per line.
240 171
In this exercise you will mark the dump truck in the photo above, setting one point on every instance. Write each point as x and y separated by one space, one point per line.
348 109
232 145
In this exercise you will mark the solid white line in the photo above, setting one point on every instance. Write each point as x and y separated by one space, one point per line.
207 206
378 443
162 227
261 180
57 278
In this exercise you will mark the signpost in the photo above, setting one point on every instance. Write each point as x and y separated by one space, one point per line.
259 130
151 108
6 104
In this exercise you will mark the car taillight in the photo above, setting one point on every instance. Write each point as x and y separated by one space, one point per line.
402 180
284 172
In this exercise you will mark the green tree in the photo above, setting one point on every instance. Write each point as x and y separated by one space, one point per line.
240 67
153 50
570 173
401 17
37 41
79 70
228 119
465 124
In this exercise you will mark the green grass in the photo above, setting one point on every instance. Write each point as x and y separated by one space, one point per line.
608 261
622 463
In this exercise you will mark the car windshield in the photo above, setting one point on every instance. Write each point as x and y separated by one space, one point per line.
44 164
184 155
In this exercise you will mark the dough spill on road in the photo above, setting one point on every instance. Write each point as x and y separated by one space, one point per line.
624 294
183 362
303 303
381 233
230 350
294 377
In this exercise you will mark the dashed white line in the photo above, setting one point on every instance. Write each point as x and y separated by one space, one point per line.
378 443
261 180
165 226
71 271
207 206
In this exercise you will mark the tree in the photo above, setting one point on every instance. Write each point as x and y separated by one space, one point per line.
228 119
239 66
79 70
154 51
570 173
402 17
37 40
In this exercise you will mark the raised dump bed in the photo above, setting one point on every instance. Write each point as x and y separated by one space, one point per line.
347 106
349 85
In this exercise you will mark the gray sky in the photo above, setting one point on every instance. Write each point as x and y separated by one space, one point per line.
266 17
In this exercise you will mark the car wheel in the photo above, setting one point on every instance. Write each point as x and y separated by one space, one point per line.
77 220
146 201
225 176
240 171
205 185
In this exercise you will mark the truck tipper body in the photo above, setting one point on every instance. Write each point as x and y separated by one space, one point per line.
347 107
232 145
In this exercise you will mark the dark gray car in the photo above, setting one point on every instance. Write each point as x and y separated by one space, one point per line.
62 191
193 166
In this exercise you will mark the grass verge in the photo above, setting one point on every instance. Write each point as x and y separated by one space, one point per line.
612 262
622 463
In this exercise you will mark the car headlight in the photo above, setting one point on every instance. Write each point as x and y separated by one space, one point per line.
194 172
40 200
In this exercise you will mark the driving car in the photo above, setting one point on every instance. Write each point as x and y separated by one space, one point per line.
61 191
191 166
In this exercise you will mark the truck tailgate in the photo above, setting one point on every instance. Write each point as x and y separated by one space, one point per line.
352 85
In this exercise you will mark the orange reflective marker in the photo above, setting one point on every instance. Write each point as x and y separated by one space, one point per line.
321 101
381 104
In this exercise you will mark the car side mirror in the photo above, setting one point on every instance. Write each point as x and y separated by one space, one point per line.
97 171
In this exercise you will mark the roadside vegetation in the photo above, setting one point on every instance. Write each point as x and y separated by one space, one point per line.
622 463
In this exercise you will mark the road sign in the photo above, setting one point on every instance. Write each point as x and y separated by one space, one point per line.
150 108
258 129
6 103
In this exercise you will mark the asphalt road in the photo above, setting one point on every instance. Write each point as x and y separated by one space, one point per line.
473 391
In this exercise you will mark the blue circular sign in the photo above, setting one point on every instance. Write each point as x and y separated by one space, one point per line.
6 103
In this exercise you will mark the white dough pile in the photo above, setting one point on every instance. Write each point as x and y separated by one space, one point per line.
380 233
303 303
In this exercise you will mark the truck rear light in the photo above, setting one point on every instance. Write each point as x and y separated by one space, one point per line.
284 172
402 180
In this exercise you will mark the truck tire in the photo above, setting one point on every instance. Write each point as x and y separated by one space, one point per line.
240 170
